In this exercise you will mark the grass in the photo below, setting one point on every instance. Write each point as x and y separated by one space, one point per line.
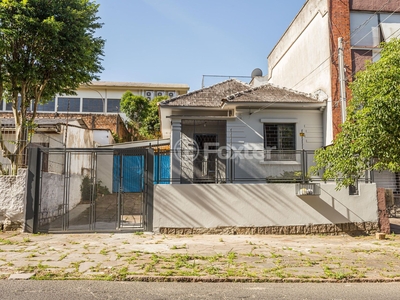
367 251
104 251
266 263
177 247
6 242
274 255
63 256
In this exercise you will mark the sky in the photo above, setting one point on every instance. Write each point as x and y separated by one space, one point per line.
179 41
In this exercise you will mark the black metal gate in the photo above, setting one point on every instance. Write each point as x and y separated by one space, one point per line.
89 190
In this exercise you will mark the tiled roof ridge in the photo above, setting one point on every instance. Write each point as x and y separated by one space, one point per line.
203 89
238 94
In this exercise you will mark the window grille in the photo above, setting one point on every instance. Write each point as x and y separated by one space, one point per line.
68 104
280 141
49 106
113 105
92 105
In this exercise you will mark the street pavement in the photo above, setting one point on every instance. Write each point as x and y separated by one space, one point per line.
83 289
203 258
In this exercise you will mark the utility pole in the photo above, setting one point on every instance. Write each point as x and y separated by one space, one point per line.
342 80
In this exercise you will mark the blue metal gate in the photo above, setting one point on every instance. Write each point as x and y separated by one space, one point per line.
128 173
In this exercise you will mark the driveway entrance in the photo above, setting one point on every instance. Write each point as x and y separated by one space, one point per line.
89 190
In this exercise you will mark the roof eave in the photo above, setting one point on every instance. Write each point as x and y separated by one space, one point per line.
304 105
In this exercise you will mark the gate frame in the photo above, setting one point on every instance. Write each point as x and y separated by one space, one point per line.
33 185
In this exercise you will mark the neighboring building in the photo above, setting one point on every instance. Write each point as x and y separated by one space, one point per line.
232 116
306 56
56 133
99 103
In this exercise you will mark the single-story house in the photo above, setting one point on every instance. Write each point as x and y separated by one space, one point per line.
208 126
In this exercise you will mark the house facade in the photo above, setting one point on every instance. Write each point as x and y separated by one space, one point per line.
209 126
313 36
239 155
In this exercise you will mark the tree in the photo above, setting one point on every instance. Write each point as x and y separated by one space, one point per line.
151 125
143 114
47 47
370 137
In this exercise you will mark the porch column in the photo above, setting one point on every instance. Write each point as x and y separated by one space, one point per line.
176 151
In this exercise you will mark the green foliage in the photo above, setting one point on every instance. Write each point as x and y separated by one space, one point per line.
86 189
288 177
135 107
370 137
46 48
116 137
143 114
4 171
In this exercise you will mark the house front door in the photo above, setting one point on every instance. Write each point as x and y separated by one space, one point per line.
205 160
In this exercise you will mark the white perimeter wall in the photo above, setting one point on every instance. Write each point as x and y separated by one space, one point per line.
105 168
208 206
301 59
12 197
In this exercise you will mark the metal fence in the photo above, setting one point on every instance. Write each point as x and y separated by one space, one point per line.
90 189
234 166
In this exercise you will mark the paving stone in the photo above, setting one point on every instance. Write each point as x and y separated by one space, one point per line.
298 255
21 276
89 273
110 264
58 264
83 267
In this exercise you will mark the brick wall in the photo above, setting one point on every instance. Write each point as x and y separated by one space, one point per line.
112 122
339 14
375 5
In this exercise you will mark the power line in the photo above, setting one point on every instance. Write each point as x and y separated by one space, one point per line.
324 61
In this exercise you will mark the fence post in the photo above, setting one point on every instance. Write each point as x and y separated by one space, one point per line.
149 192
303 166
231 168
32 191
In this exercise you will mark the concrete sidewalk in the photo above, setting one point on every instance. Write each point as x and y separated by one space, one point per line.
127 256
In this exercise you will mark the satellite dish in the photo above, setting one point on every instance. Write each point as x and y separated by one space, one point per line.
256 72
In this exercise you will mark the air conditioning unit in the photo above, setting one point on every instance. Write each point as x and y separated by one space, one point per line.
149 95
160 93
171 94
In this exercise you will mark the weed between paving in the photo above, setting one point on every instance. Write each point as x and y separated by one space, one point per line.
200 258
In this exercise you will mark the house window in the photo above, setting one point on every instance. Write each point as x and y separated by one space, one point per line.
1 105
49 106
364 30
368 30
92 105
10 104
68 104
280 141
113 105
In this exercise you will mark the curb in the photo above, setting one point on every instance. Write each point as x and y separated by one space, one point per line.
256 280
